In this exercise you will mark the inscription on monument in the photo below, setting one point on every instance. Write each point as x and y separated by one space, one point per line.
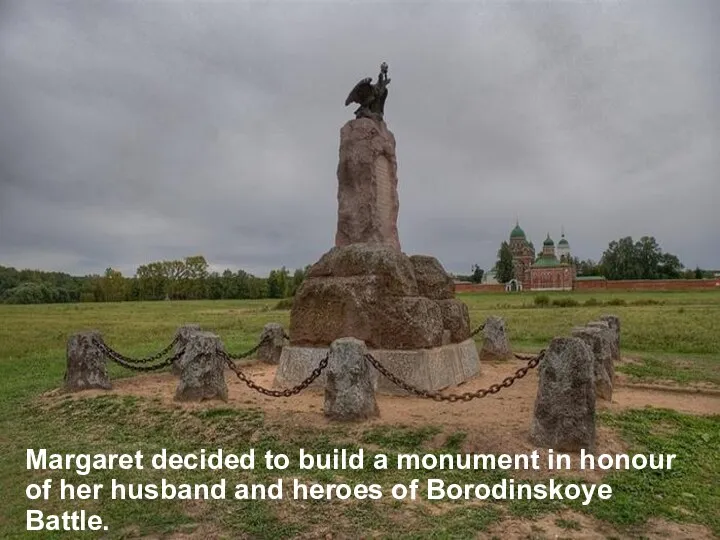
384 201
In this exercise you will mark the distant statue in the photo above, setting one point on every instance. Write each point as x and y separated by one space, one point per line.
371 97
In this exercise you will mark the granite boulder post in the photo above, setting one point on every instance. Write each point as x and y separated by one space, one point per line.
272 342
350 382
496 345
86 364
564 415
614 324
183 335
203 370
601 343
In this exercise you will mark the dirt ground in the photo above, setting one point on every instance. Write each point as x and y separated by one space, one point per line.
511 405
495 424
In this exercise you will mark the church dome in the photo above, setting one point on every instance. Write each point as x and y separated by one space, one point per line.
548 241
563 242
517 232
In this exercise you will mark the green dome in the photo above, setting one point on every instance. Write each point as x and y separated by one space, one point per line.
563 242
548 241
517 232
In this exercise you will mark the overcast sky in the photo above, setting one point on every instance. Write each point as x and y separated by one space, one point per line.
140 131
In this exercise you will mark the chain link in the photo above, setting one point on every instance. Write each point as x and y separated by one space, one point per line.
276 393
452 398
477 330
122 358
250 352
132 363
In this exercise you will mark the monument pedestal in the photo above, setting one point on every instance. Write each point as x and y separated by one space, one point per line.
427 369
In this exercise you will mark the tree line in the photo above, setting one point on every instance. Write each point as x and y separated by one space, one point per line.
623 259
191 279
183 279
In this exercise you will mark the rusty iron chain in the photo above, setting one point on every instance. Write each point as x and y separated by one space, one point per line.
276 393
477 330
120 360
117 356
507 382
248 352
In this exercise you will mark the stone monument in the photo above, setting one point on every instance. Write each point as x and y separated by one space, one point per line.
402 307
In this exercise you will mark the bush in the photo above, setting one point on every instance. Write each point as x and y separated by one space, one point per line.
285 303
616 302
592 302
646 302
565 302
32 293
542 300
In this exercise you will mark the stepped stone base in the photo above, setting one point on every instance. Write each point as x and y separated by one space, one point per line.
428 369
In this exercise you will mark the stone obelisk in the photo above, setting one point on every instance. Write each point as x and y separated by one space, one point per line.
367 185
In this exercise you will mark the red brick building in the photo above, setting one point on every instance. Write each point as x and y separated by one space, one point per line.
547 271
523 253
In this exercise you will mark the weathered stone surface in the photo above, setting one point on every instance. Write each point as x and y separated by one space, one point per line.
392 271
428 369
183 333
496 345
614 324
432 280
349 386
370 292
598 324
327 309
411 322
366 292
564 415
456 319
86 364
615 341
601 343
273 340
368 202
202 376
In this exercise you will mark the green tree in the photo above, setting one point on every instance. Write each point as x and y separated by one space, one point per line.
644 259
504 269
477 274
587 267
152 281
111 286
278 283
297 280
195 277
669 267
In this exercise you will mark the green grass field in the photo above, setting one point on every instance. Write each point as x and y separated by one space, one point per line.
673 337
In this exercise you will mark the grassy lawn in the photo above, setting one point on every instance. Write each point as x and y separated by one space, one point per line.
672 335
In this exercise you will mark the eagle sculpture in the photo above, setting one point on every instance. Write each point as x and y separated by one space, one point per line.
370 97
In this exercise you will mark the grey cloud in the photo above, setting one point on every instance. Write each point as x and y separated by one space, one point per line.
137 131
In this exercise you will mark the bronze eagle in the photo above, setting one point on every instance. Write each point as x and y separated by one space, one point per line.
370 97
